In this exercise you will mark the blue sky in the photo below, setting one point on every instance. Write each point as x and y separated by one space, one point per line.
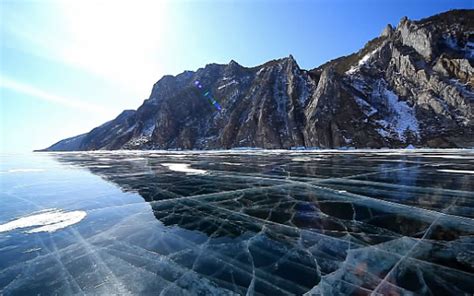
68 66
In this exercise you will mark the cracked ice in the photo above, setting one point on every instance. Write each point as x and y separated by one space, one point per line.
241 222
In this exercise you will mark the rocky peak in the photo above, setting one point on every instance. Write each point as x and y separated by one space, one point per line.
162 88
419 38
327 76
403 21
232 69
387 31
126 113
233 63
289 65
291 60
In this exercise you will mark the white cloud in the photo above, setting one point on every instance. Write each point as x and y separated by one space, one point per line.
37 93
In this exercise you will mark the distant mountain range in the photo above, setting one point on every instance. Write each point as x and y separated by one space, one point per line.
411 86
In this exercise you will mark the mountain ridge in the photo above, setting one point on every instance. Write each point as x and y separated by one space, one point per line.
412 85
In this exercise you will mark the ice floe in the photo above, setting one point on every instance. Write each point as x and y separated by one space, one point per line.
49 220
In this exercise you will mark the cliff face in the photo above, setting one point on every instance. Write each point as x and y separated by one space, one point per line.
413 85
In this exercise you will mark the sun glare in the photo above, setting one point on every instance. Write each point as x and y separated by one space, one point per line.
116 39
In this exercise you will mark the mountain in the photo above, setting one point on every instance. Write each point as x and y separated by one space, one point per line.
412 85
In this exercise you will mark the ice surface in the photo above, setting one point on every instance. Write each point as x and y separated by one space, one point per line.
358 222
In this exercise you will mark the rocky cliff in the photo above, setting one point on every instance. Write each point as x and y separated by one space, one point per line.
412 85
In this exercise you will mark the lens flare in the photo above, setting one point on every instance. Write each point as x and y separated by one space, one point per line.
208 95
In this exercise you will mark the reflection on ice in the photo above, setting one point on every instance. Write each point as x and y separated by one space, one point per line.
457 171
45 221
183 167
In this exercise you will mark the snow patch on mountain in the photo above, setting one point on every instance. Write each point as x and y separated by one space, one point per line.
366 108
260 71
362 62
227 84
401 118
148 128
453 43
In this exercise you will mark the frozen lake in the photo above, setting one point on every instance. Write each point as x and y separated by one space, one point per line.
221 223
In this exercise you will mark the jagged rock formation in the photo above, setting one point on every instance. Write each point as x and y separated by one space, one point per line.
413 85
